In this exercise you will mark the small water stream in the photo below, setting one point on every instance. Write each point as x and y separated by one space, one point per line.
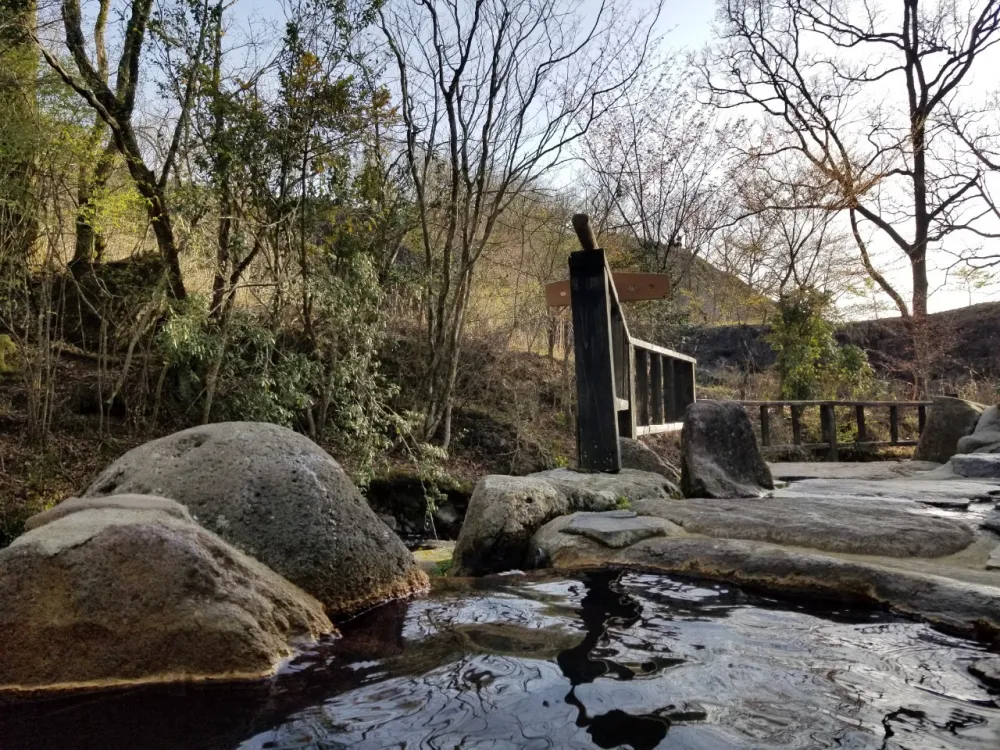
604 661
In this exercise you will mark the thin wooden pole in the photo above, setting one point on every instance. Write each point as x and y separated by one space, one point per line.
642 386
656 387
765 425
862 431
894 424
796 425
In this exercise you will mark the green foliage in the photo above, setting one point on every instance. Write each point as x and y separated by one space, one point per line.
622 502
810 364
7 347
442 569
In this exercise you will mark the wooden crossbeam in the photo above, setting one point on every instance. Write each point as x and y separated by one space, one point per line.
631 287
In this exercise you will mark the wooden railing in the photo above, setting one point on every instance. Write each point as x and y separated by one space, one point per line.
828 424
625 387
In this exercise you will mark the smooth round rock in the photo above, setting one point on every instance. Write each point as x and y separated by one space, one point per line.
948 420
280 498
120 596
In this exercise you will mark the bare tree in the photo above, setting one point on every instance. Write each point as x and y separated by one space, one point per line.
116 108
857 89
656 168
492 95
784 239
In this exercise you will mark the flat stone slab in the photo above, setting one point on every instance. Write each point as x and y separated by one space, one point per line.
977 465
790 471
617 529
631 484
991 521
994 562
987 670
865 526
943 600
955 493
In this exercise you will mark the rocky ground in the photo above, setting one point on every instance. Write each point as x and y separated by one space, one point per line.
913 536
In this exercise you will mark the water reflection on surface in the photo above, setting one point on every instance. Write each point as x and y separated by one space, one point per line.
637 661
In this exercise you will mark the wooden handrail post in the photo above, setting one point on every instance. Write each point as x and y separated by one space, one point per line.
796 425
597 404
765 425
894 424
922 418
828 419
862 430
656 388
642 386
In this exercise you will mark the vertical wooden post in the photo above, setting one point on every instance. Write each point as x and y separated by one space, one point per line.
828 418
656 388
619 344
626 419
922 417
796 425
684 380
597 408
670 391
765 425
642 386
862 431
894 424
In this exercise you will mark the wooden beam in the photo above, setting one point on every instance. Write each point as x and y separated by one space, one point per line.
631 287
597 407
656 388
796 424
765 425
656 429
642 387
862 430
894 424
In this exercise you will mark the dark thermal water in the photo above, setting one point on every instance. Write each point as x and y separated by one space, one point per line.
639 661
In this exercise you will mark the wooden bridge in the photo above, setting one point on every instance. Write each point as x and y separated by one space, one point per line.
628 388
625 387
828 423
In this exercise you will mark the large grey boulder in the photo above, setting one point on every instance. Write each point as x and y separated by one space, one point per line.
504 512
280 498
976 465
986 437
948 420
719 453
131 591
635 455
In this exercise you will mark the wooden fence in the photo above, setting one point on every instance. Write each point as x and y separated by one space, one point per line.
828 424
625 387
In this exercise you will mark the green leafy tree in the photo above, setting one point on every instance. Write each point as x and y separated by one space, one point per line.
809 362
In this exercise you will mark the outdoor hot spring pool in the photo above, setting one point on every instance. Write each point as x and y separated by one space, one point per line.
637 661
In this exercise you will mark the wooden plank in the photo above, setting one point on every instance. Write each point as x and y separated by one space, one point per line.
641 399
862 430
630 287
894 424
640 344
670 411
826 446
597 413
656 429
836 403
626 415
656 388
684 380
619 344
796 424
765 425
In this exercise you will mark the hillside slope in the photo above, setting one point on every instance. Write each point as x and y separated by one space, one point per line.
966 343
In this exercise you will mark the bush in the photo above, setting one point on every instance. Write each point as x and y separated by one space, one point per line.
810 365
